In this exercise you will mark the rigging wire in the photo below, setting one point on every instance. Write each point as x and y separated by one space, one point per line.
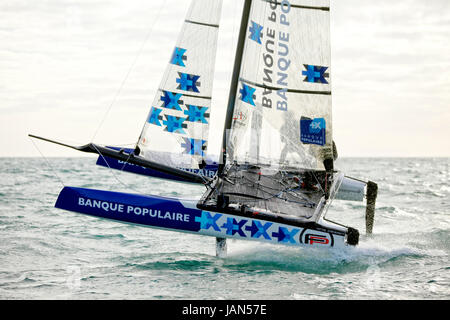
117 94
48 163
114 174
149 33
320 185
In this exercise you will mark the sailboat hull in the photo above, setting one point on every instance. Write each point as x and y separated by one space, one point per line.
183 216
208 171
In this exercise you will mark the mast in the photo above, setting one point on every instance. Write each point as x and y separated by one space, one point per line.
234 81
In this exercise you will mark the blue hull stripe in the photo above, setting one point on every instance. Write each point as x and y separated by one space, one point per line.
183 216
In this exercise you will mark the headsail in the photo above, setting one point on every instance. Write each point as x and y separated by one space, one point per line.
282 110
176 130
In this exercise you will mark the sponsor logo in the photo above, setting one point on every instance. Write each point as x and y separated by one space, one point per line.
313 131
316 238
178 57
194 146
274 39
313 237
247 228
188 82
315 74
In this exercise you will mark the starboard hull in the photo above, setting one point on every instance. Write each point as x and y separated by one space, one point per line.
183 216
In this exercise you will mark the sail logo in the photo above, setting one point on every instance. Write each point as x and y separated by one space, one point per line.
171 100
313 131
188 82
196 114
316 125
178 57
275 71
174 124
313 237
247 94
315 74
155 116
194 146
256 32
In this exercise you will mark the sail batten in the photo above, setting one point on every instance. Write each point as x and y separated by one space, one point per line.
293 5
264 86
202 23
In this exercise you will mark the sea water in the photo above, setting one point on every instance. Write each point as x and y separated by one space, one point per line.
47 253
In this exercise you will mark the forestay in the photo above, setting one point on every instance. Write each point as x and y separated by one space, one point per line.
282 111
176 130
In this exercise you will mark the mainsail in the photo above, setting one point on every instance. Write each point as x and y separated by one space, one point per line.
282 108
176 130
279 146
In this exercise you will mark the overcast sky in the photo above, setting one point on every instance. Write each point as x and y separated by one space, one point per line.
62 63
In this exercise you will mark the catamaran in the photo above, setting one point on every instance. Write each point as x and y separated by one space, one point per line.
275 178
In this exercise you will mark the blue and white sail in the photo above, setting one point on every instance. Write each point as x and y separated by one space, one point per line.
177 127
282 110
